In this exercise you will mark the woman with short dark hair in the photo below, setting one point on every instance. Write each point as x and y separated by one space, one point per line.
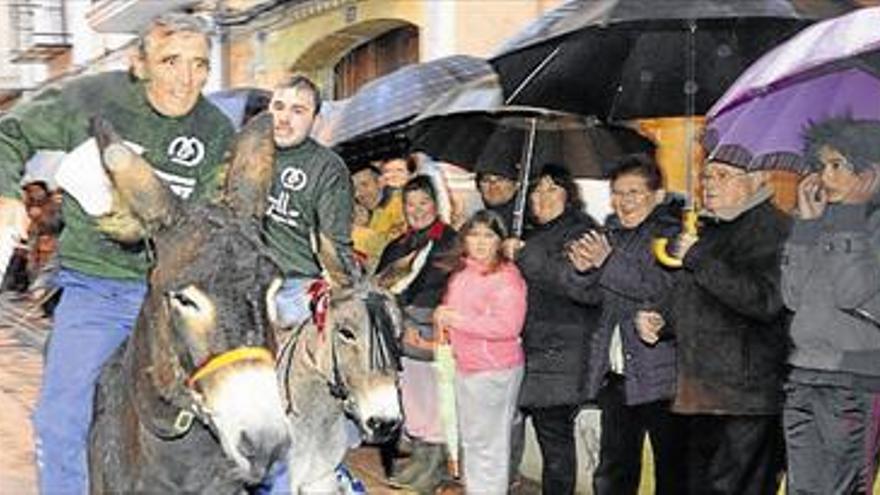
558 325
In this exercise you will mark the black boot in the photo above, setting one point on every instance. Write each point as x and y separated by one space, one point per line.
413 468
434 472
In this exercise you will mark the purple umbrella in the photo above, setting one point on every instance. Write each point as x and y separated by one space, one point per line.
831 69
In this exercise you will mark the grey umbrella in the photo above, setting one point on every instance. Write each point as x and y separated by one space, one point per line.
385 103
240 104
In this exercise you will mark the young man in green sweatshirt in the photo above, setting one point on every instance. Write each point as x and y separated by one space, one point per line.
158 106
311 197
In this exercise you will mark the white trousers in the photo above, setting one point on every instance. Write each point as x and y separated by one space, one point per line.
486 404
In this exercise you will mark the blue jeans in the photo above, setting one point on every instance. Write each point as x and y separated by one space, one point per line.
292 301
94 317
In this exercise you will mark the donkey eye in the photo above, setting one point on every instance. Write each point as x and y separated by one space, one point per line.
182 300
347 334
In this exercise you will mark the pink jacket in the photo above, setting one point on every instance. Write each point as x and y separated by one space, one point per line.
492 310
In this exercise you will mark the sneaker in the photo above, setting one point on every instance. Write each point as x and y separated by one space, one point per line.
347 483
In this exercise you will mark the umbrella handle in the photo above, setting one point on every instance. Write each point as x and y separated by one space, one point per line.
659 245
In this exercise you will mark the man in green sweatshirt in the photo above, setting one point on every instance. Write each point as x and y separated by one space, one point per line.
311 194
311 199
159 107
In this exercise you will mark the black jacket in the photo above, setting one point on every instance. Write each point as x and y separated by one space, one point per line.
629 280
558 324
727 314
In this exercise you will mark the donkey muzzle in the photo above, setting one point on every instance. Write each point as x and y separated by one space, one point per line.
248 416
381 429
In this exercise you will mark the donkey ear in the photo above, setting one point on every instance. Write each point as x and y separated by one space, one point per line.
396 271
142 204
399 274
329 258
249 170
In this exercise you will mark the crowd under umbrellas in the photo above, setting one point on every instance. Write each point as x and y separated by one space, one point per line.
610 63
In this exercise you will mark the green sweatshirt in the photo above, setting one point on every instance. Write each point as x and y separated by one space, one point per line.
311 193
186 152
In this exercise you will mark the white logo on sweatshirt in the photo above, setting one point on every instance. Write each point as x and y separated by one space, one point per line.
186 150
292 180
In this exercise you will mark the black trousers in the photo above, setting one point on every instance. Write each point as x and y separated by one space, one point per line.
832 435
622 437
734 455
554 427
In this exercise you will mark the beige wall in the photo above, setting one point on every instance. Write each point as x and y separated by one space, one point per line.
314 43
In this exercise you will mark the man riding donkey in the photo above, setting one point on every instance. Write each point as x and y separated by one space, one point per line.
158 106
310 201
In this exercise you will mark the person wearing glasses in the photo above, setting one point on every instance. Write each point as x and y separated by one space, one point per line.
497 187
632 381
725 312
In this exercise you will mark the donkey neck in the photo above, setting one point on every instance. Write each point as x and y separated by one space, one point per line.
158 391
310 373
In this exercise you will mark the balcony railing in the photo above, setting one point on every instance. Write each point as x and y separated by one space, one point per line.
39 30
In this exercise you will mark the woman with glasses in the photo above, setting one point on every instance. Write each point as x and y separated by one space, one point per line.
632 381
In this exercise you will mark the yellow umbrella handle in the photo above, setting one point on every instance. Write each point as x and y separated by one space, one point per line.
659 245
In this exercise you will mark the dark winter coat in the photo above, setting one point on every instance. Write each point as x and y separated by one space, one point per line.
629 280
558 324
505 211
727 314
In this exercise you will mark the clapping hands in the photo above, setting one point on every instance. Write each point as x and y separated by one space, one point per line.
589 251
649 324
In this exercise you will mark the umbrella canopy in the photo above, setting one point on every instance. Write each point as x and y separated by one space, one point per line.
470 127
390 142
626 59
240 103
832 69
401 95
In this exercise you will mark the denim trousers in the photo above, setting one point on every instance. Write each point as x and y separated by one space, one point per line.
94 317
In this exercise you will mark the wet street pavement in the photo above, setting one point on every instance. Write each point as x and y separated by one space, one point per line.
21 341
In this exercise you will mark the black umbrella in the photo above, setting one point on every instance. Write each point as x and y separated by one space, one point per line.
626 59
470 127
391 100
384 144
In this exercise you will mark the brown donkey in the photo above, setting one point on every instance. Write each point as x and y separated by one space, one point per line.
190 403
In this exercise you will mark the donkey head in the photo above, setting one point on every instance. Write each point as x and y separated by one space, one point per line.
357 348
203 341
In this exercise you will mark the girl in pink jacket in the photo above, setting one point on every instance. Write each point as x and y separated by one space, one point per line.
483 313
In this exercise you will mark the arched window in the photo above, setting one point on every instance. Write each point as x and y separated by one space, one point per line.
373 59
